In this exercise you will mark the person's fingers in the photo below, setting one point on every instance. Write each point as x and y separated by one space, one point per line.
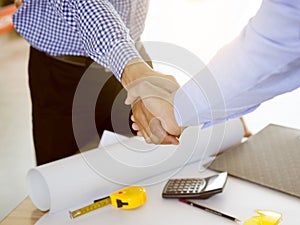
132 118
144 133
155 94
160 103
163 109
170 139
167 138
141 121
150 127
159 135
135 127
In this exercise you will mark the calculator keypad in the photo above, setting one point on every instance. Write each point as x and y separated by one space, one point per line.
185 186
196 188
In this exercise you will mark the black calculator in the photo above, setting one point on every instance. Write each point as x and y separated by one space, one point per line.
200 188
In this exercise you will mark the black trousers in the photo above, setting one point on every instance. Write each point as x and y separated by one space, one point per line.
52 86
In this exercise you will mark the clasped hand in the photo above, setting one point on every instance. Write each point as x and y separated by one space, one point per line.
151 96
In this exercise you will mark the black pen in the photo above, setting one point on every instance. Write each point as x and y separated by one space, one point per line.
208 210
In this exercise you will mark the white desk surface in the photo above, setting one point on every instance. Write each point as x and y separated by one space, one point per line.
239 198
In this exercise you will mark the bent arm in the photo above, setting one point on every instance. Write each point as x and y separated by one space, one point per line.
104 35
262 62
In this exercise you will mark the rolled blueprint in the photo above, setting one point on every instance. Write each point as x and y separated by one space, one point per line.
75 181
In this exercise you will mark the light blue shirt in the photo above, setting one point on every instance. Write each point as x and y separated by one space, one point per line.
262 62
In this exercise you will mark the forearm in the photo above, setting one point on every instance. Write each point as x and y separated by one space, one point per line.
247 71
104 35
265 47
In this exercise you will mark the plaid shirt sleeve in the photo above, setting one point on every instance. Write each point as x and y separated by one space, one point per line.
103 33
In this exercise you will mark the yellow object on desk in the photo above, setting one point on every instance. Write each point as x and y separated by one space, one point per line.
265 217
126 198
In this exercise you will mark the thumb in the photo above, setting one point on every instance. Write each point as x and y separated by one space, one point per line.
132 94
130 99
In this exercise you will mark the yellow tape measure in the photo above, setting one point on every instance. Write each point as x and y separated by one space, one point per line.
126 198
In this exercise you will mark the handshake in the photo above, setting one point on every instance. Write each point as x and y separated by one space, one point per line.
151 96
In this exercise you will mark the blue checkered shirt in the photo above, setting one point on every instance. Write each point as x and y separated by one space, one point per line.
101 29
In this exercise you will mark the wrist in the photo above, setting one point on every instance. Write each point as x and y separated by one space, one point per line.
135 69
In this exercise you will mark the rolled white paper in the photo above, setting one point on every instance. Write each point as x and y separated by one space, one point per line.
76 180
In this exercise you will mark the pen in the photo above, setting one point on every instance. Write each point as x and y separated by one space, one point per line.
208 210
